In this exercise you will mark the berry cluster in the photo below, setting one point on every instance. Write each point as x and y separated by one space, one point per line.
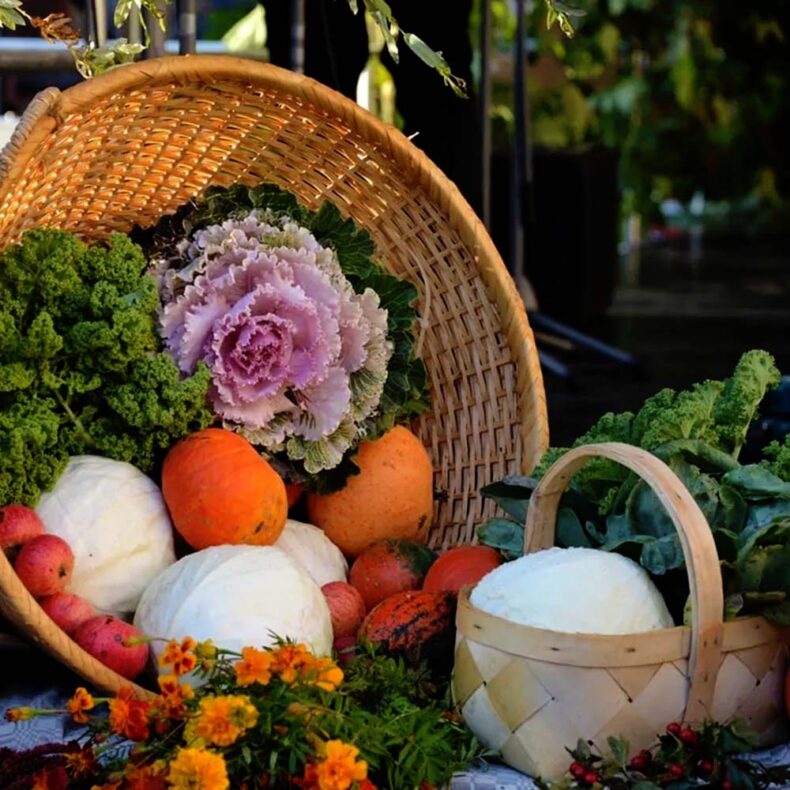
710 756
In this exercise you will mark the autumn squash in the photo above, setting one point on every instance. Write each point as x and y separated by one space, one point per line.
459 566
417 625
219 490
390 567
391 497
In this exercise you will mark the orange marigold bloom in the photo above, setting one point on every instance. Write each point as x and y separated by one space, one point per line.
81 762
339 769
288 661
366 784
129 716
324 673
255 667
149 777
173 695
198 769
180 657
79 704
223 719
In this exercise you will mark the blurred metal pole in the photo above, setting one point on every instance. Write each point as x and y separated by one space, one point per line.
157 48
521 172
90 21
100 17
297 35
187 27
485 108
135 28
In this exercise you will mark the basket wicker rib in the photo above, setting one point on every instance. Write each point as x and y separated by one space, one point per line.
531 692
134 144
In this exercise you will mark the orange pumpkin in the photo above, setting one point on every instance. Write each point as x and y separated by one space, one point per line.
391 497
219 490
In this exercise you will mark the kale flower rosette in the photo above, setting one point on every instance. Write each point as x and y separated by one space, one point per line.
300 348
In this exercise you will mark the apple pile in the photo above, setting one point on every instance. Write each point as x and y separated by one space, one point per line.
44 564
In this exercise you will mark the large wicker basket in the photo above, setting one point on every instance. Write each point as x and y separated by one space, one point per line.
134 144
532 692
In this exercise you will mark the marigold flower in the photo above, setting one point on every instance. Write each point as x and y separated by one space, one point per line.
223 719
288 660
81 762
339 768
129 716
148 777
173 695
20 714
79 704
255 667
180 657
107 786
198 769
366 784
324 673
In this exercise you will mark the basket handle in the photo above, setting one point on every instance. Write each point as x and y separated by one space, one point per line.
696 538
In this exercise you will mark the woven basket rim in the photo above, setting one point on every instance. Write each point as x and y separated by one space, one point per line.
603 650
48 107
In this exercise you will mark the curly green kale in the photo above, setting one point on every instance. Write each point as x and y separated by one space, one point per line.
80 368
713 415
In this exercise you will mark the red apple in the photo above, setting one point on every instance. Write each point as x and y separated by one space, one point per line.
346 608
67 611
18 525
346 649
44 565
105 638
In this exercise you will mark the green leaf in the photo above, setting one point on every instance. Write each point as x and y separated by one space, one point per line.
353 5
122 10
10 17
757 482
512 495
504 535
570 532
620 749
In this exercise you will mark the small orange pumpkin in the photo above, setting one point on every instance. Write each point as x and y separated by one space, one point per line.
219 490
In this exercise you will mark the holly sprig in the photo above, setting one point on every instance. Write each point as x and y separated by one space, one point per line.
710 756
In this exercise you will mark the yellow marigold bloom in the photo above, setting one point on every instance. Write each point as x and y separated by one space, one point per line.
223 719
180 657
79 705
191 738
173 696
255 667
288 660
339 769
198 769
324 673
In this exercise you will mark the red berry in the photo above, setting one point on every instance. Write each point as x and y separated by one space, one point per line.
577 770
689 736
641 760
674 728
706 767
591 777
676 770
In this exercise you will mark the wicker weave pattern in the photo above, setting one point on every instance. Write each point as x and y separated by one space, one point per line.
139 142
126 148
532 709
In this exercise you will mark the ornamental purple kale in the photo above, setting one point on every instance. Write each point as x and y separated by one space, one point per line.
298 359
